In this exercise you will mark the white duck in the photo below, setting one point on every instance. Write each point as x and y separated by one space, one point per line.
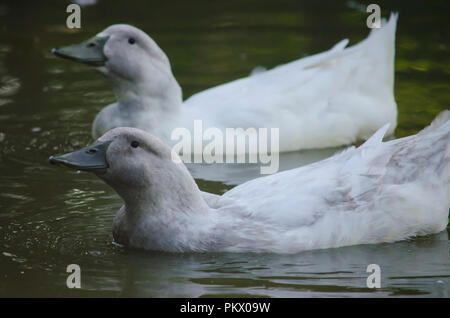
329 99
379 192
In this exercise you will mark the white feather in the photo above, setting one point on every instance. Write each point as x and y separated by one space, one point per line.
329 99
378 192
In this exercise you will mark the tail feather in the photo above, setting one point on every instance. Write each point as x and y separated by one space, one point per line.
441 120
383 34
377 137
379 47
439 131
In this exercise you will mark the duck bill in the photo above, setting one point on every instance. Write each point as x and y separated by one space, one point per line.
88 52
91 158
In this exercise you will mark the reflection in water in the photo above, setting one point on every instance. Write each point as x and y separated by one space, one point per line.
331 272
51 218
9 85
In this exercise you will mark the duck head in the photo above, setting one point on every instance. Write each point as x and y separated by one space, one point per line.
131 61
140 168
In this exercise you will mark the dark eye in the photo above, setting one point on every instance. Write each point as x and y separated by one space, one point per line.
134 144
131 40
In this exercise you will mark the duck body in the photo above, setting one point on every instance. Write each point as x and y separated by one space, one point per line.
378 192
345 91
325 100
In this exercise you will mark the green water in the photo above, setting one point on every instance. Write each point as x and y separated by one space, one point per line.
51 217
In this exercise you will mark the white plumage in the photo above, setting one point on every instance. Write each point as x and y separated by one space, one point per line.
378 192
329 99
325 100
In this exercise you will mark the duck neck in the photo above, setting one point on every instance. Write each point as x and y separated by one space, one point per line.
168 200
163 100
170 222
160 94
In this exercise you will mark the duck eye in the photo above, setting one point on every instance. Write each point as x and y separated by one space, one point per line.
134 144
131 40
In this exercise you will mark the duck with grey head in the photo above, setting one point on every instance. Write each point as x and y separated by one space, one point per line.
378 192
345 90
